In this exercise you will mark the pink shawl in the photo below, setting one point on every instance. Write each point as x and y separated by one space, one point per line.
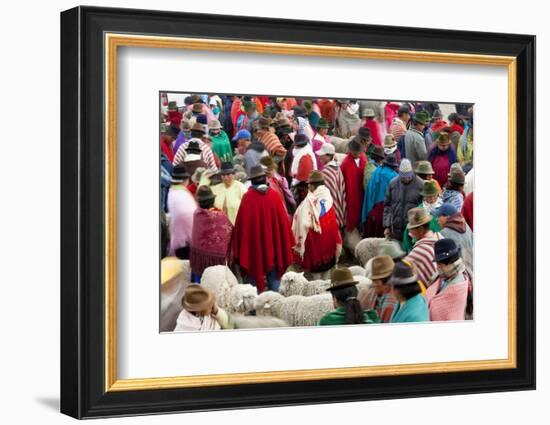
450 303
181 206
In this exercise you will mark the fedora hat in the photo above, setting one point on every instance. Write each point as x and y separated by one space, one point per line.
341 278
421 117
443 139
402 275
227 168
268 162
418 217
263 123
198 128
326 149
256 171
430 188
214 125
197 298
197 108
300 140
316 177
382 266
368 113
389 141
204 193
445 248
456 174
391 161
322 123
179 173
378 152
172 106
423 167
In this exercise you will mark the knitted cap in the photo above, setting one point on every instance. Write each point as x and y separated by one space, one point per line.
405 168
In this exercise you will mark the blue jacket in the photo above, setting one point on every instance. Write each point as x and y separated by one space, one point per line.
414 309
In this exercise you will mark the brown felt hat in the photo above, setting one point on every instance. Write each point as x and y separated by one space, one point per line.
382 266
198 127
341 278
197 298
418 217
256 171
197 108
443 139
268 162
423 167
204 193
316 177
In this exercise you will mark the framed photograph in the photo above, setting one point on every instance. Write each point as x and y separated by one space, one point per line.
262 212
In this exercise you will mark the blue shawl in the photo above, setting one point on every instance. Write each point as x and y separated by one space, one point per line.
376 189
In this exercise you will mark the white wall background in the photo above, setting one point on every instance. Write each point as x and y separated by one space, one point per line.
29 172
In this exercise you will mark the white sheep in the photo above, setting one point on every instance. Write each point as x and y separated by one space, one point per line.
357 270
351 240
296 310
340 145
293 283
254 322
241 298
367 248
219 280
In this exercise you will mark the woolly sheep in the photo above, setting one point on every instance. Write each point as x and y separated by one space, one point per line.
241 298
367 249
255 322
293 283
351 240
357 270
340 145
296 310
219 280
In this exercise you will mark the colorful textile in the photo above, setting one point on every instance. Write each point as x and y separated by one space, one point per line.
207 155
353 178
272 144
262 237
334 180
441 163
303 163
181 207
376 189
415 309
210 239
375 131
422 257
397 128
222 147
448 303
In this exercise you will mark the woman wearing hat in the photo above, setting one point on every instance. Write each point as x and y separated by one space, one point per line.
374 159
353 169
303 163
229 192
211 234
454 189
424 170
279 184
372 215
390 147
174 116
347 310
320 137
379 296
220 141
448 296
424 239
442 155
197 132
411 305
315 228
181 207
374 127
431 201
200 312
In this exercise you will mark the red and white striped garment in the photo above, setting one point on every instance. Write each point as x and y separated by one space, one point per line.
334 181
272 144
422 255
397 128
207 155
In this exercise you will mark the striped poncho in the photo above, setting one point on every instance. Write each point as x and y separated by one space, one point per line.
334 181
207 155
422 255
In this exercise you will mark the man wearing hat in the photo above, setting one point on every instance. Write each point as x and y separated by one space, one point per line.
303 163
374 160
424 170
229 193
193 157
200 312
211 234
424 239
174 116
372 214
315 228
320 137
454 189
398 126
454 226
447 296
411 305
197 132
220 141
442 155
403 194
437 124
334 181
390 147
266 136
251 149
181 207
414 141
348 310
279 184
379 296
374 127
167 136
266 252
353 169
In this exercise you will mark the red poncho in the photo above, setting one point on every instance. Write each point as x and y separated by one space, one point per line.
375 131
166 148
262 237
174 118
353 179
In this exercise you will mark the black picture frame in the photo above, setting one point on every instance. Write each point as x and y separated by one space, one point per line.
82 212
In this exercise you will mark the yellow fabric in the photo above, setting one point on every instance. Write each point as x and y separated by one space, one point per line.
228 199
170 267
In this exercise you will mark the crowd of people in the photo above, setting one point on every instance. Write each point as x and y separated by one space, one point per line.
262 184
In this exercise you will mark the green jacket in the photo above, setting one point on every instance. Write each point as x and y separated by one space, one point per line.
408 243
337 317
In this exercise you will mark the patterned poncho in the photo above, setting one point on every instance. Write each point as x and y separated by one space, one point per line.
222 147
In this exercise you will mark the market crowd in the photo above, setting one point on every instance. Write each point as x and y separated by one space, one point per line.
262 183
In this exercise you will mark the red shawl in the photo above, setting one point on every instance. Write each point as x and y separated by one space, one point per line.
375 131
166 148
210 239
262 238
353 179
175 117
468 210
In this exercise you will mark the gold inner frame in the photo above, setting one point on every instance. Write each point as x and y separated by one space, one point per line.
113 41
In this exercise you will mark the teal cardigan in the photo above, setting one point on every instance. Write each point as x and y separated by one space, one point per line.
414 309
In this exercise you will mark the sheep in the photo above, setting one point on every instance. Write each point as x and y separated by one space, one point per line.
340 145
351 240
293 283
254 322
241 298
357 270
296 310
219 280
171 293
367 249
